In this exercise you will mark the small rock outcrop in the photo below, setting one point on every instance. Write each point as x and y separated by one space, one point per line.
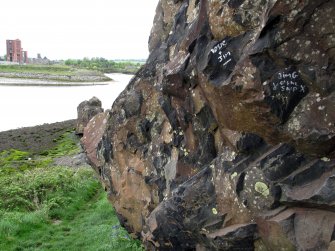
225 139
86 110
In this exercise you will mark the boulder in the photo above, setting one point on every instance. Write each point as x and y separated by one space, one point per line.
86 110
225 138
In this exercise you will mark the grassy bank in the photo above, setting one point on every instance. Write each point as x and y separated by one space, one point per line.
49 207
41 69
72 70
57 72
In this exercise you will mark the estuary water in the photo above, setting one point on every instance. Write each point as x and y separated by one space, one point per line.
22 106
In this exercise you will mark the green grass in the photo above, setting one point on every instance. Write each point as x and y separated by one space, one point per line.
13 160
66 145
73 67
46 207
41 69
57 72
71 219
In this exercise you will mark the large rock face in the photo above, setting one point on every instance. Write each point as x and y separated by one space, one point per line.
225 139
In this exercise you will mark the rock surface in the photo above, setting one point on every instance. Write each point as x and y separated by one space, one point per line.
86 110
225 139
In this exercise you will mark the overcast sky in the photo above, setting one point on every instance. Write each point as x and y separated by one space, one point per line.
62 29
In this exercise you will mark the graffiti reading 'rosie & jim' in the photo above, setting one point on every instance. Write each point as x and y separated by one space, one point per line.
223 55
219 46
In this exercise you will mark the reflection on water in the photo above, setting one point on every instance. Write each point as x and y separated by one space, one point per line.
22 106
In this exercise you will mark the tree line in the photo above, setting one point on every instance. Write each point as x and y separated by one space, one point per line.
105 65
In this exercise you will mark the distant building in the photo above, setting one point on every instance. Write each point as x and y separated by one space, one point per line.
15 52
40 60
25 57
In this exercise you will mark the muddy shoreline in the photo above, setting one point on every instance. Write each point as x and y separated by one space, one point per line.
35 139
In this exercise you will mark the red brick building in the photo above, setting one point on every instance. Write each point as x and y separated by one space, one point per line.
15 52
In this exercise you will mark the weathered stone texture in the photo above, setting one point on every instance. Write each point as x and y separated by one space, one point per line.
225 139
86 110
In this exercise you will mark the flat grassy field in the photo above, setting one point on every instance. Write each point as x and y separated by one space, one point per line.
57 72
42 69
72 70
48 207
